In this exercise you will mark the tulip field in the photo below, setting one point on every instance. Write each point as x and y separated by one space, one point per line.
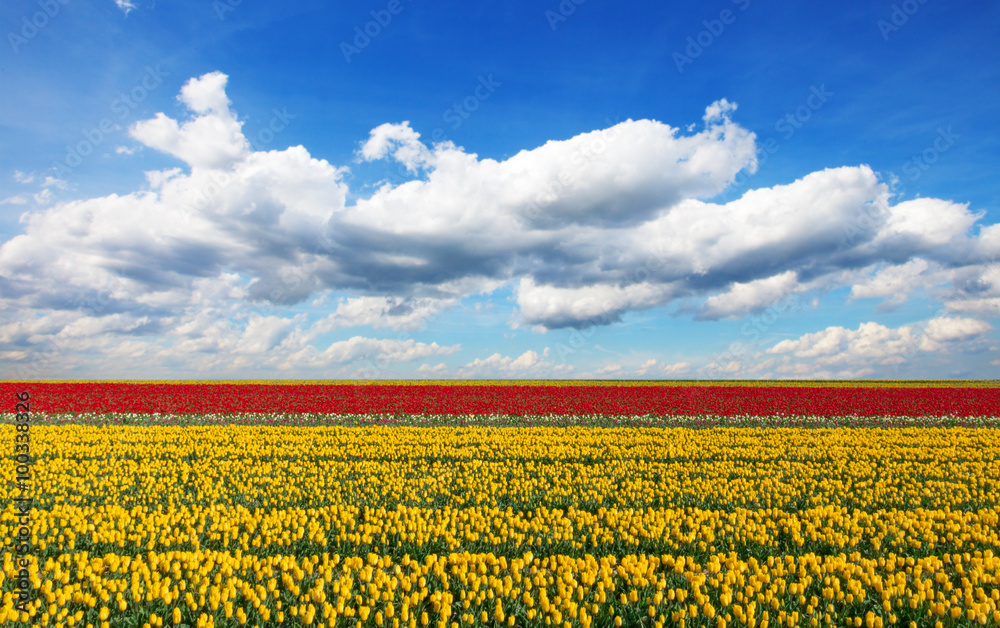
566 504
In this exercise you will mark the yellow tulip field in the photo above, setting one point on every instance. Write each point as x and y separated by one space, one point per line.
149 523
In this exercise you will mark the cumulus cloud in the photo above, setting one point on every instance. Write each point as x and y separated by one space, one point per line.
661 369
895 283
213 139
975 290
554 306
650 369
753 296
264 333
875 348
391 312
583 230
925 225
529 364
943 331
437 370
609 371
839 344
399 141
375 350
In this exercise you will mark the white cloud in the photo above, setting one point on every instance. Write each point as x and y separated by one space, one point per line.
925 224
661 369
427 369
583 230
377 312
211 140
527 365
125 5
44 197
394 350
944 330
263 333
977 291
609 371
752 296
895 283
595 304
876 348
399 141
838 344
988 243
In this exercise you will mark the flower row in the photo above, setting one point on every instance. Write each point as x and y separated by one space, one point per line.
873 383
208 588
511 400
419 532
694 421
521 468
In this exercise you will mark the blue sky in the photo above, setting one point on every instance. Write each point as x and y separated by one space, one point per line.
510 190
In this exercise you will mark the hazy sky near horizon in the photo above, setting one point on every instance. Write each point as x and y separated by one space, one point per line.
575 189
